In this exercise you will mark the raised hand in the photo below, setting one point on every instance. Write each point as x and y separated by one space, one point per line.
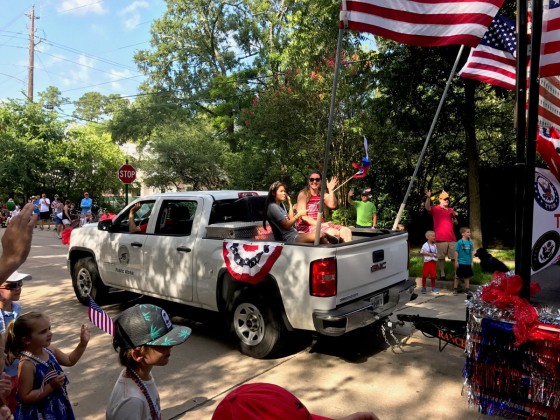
84 334
16 242
332 183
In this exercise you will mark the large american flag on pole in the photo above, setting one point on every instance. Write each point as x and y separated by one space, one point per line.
550 42
99 318
427 23
493 61
549 102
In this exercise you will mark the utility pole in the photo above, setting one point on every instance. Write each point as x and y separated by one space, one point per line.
31 54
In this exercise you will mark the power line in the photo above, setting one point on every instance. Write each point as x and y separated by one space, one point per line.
16 17
80 7
74 62
76 51
104 83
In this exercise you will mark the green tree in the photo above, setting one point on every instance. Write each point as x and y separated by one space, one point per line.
26 131
89 107
185 156
51 98
87 161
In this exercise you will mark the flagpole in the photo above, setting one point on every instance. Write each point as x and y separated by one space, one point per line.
348 180
329 138
532 123
521 126
428 137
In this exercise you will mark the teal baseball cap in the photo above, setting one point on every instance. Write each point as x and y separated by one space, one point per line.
148 325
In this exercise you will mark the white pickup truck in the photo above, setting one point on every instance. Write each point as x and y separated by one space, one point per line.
180 255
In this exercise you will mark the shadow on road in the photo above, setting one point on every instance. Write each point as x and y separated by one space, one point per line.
355 347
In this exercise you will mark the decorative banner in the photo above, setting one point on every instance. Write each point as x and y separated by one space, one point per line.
546 221
513 353
250 262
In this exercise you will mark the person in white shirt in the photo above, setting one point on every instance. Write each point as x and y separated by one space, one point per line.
44 212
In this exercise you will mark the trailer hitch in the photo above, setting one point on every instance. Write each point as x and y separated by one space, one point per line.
447 331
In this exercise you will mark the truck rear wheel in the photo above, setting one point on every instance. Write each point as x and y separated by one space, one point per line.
87 282
257 326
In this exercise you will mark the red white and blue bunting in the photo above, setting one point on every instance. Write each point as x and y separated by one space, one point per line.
250 262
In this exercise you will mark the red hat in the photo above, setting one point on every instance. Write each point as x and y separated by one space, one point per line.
261 401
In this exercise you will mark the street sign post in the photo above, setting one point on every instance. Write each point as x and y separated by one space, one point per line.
127 175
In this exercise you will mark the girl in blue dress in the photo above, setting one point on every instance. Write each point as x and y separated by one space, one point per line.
41 380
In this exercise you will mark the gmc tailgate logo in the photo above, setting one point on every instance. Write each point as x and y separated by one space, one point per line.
378 258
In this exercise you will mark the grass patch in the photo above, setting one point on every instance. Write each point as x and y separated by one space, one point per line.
417 261
503 254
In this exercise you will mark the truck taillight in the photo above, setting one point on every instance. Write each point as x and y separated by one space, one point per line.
323 277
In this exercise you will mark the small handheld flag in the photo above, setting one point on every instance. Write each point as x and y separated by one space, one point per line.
362 167
99 318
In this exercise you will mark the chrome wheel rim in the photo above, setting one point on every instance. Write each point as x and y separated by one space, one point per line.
249 324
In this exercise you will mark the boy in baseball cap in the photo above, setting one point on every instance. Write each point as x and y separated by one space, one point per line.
143 337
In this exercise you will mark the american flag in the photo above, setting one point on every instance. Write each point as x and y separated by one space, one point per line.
550 42
493 61
99 318
549 102
50 374
427 23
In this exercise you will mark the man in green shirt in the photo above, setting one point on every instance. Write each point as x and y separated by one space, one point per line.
11 205
366 212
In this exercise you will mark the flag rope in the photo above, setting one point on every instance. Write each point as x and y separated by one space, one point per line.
428 137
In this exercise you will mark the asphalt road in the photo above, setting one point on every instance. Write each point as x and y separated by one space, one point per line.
332 377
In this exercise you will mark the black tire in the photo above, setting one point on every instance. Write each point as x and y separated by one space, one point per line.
257 326
87 282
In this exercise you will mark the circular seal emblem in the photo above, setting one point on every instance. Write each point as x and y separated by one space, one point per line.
544 250
123 255
546 194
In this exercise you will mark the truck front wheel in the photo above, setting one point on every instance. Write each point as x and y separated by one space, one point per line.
257 326
87 282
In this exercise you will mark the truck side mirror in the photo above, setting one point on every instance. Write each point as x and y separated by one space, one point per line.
106 225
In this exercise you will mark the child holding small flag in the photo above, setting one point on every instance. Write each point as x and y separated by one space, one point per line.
41 380
143 337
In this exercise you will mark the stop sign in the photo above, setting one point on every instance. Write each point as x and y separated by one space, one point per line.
127 174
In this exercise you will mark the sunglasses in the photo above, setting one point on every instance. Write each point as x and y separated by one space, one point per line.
314 179
13 285
445 199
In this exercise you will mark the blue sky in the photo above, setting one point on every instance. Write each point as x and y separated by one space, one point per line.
83 45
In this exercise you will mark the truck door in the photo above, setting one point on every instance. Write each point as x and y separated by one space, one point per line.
122 253
169 270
